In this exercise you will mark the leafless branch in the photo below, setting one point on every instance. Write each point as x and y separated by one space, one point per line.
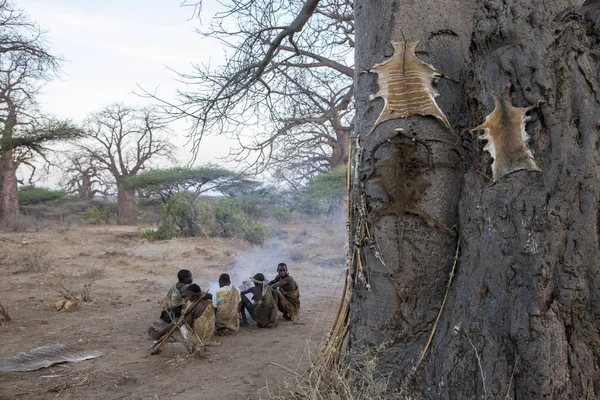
122 139
286 82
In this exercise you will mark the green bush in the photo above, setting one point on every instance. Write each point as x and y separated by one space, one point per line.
313 207
181 212
282 215
36 195
95 215
164 232
256 233
207 217
185 216
99 215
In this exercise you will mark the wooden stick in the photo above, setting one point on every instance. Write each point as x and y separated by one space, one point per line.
161 343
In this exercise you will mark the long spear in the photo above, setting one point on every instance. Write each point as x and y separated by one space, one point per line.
157 347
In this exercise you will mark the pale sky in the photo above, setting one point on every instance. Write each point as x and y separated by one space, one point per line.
112 46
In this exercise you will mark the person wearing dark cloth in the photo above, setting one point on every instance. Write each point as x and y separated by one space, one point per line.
263 307
200 319
172 304
287 293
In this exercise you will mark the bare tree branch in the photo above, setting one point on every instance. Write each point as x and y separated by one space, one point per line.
290 69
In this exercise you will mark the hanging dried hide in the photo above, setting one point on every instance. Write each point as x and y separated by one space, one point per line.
406 86
507 138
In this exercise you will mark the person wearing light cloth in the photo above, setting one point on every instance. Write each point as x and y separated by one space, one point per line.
172 305
287 293
227 304
263 307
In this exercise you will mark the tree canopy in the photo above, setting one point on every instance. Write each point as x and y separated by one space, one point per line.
36 195
165 183
330 185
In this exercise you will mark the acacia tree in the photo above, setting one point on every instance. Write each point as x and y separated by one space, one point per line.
122 140
331 186
166 183
288 81
513 312
25 63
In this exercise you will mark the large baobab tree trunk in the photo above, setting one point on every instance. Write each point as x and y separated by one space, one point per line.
127 207
9 196
84 189
520 316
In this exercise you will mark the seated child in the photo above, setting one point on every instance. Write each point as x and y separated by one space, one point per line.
227 303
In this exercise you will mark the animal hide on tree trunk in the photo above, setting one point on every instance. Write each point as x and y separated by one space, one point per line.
507 138
406 86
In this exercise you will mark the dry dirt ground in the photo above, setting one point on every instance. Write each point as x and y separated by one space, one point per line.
129 278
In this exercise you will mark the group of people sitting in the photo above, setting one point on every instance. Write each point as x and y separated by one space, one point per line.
224 311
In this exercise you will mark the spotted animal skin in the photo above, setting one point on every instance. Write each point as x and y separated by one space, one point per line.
406 86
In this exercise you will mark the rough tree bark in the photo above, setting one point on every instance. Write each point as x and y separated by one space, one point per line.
520 319
9 192
9 201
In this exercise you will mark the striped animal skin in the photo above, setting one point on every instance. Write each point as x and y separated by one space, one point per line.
406 86
504 130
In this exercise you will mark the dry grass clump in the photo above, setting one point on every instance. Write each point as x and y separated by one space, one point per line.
59 284
326 381
34 260
23 223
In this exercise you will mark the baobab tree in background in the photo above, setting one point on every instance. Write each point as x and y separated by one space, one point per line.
286 90
83 176
122 140
25 64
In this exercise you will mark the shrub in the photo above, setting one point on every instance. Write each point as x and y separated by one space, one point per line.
95 215
206 217
283 216
181 211
164 232
99 215
185 216
313 207
256 233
